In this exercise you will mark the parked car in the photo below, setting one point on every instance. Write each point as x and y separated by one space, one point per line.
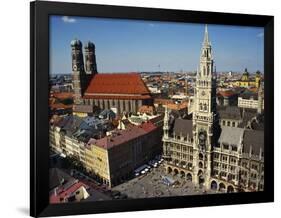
143 172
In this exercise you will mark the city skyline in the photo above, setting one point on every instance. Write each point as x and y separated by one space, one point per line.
121 45
140 136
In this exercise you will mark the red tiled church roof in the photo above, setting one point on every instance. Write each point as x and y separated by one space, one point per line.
117 83
131 97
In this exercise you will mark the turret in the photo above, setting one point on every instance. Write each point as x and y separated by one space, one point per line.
258 79
78 73
245 76
206 79
166 123
206 60
260 99
77 55
90 58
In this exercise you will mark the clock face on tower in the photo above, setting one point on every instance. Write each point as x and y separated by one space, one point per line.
203 93
74 67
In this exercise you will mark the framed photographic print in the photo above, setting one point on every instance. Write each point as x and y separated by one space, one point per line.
142 109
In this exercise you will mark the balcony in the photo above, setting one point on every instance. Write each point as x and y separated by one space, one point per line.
179 141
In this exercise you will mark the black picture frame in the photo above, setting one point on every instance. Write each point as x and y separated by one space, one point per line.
39 89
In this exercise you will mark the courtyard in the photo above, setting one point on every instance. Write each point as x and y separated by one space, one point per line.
151 185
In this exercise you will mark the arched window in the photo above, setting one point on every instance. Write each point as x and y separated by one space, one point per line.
205 107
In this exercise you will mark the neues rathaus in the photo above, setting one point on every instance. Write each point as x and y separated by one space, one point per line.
218 148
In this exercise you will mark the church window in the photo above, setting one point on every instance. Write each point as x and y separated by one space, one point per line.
224 166
205 107
216 156
224 158
244 164
254 166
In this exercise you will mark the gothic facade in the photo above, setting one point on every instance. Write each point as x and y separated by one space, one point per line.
222 158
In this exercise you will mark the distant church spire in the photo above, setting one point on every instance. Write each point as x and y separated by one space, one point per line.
206 36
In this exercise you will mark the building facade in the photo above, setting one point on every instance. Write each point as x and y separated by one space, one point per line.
253 100
225 158
113 159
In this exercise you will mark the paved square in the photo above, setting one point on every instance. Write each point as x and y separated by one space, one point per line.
151 185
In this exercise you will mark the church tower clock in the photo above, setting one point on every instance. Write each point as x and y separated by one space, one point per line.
205 115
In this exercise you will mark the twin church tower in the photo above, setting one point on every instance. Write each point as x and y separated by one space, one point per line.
82 73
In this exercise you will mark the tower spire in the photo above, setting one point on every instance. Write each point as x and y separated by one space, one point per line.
206 36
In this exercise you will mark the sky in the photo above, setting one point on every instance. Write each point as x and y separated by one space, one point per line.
135 46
